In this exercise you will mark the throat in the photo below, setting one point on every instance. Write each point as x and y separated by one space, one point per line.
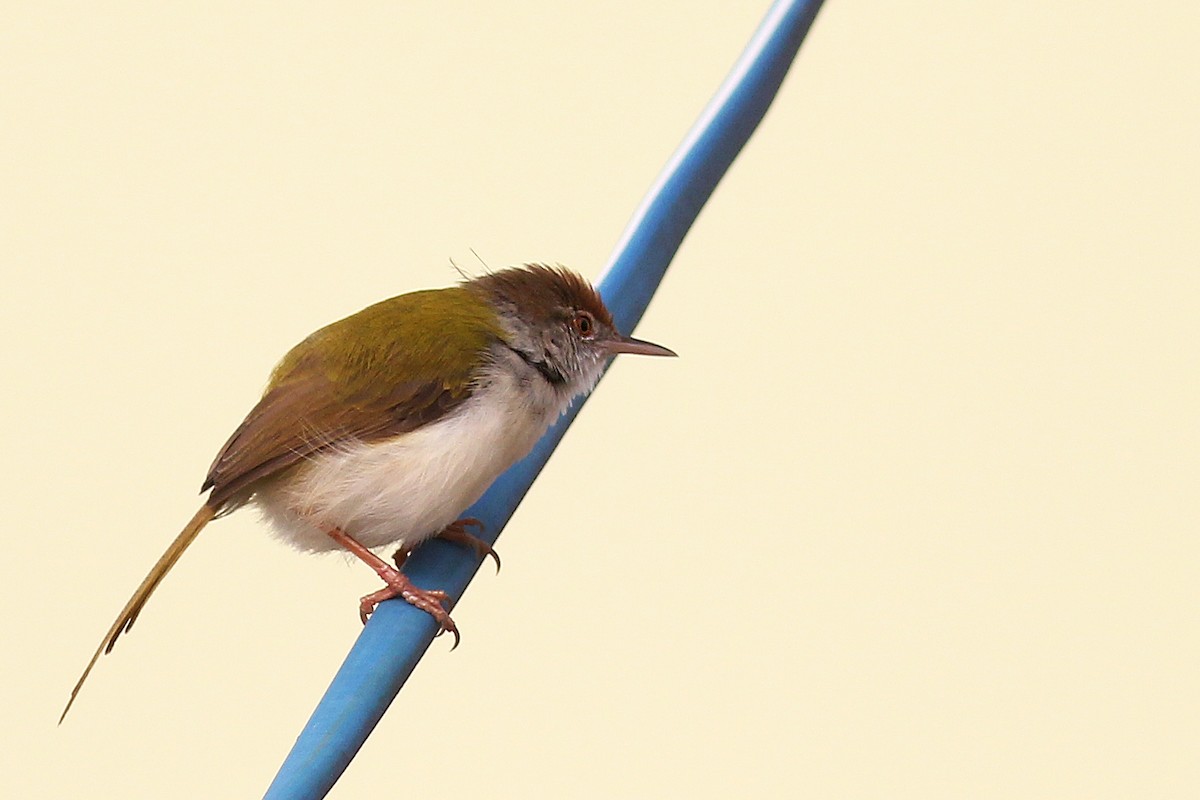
553 376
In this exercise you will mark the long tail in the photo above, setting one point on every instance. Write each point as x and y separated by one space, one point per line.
134 607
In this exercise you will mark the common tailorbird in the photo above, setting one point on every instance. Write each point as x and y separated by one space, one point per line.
385 426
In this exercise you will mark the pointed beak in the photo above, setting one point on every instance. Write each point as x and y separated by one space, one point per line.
627 344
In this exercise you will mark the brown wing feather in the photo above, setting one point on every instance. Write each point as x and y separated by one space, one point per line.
337 386
305 416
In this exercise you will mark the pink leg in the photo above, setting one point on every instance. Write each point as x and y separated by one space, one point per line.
457 532
398 585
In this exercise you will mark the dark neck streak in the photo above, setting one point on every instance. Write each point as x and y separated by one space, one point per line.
552 375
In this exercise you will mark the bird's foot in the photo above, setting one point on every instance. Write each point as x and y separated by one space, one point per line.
431 601
398 585
456 532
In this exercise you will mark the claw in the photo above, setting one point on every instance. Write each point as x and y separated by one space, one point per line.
453 629
457 532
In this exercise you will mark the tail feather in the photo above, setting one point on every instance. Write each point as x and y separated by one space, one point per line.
134 607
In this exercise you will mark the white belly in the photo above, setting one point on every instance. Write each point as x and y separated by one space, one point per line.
410 487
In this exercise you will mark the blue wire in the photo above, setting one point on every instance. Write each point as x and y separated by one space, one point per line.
397 634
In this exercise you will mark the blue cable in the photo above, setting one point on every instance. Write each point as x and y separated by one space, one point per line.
397 634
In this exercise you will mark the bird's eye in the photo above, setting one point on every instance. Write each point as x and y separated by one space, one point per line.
584 324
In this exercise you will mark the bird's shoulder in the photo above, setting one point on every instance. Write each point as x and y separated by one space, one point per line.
439 335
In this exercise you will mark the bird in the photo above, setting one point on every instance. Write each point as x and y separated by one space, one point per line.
385 426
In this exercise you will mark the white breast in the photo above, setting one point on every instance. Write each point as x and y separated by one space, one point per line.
414 485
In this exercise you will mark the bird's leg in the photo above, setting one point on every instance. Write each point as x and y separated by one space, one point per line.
456 532
398 585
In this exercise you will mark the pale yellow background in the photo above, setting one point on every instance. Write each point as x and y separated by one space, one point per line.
914 515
